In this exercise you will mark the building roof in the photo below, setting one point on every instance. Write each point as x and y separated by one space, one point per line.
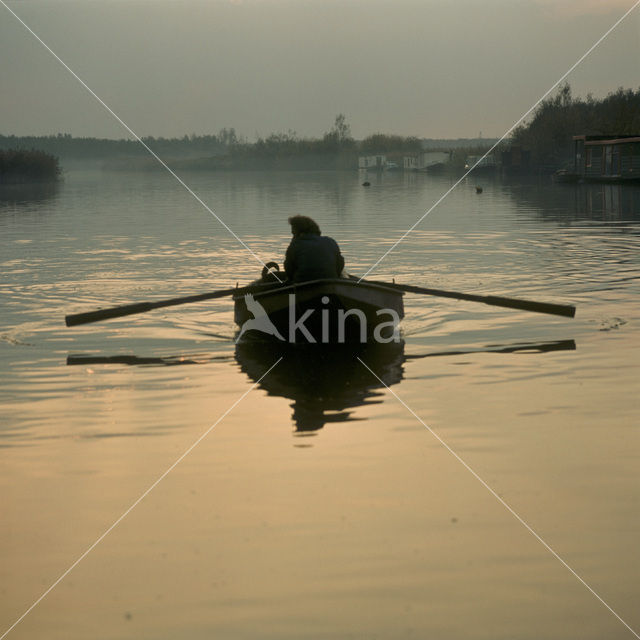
615 139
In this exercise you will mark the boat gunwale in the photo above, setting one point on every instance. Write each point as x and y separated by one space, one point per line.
279 289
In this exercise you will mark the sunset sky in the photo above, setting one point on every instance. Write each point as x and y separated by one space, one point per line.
431 68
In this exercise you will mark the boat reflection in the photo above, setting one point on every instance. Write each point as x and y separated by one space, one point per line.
324 382
166 361
526 347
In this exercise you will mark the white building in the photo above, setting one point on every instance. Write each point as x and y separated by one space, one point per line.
410 163
488 162
425 160
373 163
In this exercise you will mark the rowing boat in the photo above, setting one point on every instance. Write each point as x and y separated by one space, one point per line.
332 310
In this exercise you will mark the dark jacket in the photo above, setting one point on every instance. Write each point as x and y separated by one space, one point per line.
311 257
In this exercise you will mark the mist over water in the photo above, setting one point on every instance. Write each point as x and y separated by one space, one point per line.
319 507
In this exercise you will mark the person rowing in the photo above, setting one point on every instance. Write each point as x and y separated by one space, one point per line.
310 255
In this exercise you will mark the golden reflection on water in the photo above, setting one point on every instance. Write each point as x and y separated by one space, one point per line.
373 531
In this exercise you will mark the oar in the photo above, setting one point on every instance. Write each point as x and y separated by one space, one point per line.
498 301
141 307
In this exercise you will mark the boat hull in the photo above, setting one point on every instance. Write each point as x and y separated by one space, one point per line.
331 311
565 177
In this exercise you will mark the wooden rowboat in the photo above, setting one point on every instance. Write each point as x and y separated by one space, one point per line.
335 311
332 310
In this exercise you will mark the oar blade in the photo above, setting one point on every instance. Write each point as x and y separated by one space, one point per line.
566 310
104 314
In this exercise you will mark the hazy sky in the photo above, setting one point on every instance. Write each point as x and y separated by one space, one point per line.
432 68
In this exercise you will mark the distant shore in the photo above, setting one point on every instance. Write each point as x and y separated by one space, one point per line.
541 145
225 151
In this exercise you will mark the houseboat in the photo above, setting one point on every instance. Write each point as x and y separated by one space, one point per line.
607 158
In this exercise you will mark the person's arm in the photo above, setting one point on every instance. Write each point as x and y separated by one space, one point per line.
339 259
289 261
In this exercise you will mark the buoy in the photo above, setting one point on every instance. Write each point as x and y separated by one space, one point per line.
478 189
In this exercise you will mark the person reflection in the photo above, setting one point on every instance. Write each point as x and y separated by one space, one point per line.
325 383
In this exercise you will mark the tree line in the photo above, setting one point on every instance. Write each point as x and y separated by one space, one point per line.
334 149
549 134
69 147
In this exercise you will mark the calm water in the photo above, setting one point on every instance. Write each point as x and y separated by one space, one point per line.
319 506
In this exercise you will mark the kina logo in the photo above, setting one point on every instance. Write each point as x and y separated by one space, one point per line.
260 320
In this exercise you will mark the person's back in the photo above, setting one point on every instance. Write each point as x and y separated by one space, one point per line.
311 256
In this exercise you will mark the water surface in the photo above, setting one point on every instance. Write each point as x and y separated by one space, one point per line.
319 506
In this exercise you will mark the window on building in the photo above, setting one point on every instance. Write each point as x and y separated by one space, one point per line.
608 159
